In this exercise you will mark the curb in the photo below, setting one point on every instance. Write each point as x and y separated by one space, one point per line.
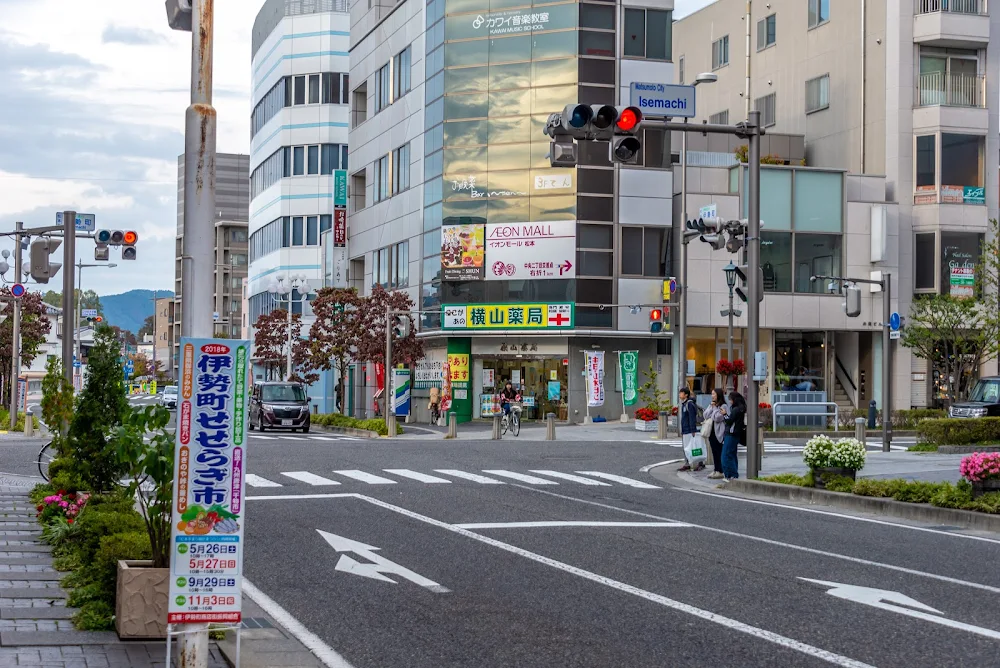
346 431
966 449
869 433
920 512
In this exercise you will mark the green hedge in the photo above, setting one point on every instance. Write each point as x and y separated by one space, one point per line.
960 431
339 420
904 419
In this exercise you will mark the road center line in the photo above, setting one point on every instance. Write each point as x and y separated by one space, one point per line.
735 625
532 525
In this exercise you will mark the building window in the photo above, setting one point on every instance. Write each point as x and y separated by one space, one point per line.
926 162
314 89
382 178
950 77
297 230
401 74
766 106
268 106
960 253
401 279
299 94
298 160
962 158
312 231
359 105
800 361
238 236
383 88
923 261
819 12
818 93
776 261
401 169
720 52
816 255
680 70
380 273
312 166
721 118
648 33
643 251
359 183
267 173
239 259
766 32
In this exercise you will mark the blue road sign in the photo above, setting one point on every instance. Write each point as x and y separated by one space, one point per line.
76 365
894 322
85 222
657 99
17 290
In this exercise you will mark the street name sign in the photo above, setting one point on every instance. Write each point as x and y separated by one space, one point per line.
89 313
380 566
85 222
657 99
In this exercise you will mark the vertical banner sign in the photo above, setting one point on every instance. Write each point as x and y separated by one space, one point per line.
595 378
22 395
340 187
628 365
401 391
209 463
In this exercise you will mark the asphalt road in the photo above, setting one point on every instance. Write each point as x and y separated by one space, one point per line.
598 570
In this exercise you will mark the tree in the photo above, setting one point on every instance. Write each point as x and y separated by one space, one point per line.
57 403
100 407
148 327
271 347
141 366
372 321
334 336
90 300
124 335
34 329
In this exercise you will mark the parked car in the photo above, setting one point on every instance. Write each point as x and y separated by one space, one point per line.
983 401
279 405
169 397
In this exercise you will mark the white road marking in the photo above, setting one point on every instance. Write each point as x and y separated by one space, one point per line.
414 475
366 477
571 477
256 481
533 525
322 438
378 567
470 476
530 479
262 437
650 467
309 478
325 653
620 479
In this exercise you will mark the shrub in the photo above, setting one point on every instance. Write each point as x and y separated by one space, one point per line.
838 483
953 496
959 431
58 465
97 523
877 488
910 419
68 562
917 491
376 425
788 479
40 491
646 414
95 616
85 594
817 451
980 466
923 447
131 545
987 503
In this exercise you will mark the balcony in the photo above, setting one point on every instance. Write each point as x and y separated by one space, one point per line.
954 23
951 90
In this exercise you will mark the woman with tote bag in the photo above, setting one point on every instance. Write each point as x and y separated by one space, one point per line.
714 429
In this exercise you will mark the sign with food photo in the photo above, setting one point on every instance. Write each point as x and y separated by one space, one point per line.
463 251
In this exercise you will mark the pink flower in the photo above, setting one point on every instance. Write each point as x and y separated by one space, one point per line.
64 504
980 466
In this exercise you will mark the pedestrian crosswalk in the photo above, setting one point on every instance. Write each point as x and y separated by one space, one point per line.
394 476
898 445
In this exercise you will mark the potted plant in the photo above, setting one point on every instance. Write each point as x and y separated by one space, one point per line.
982 469
646 419
739 368
827 458
143 586
654 400
724 368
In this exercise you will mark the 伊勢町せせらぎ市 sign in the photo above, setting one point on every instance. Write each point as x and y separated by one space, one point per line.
507 316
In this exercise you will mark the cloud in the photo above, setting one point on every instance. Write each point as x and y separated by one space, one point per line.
131 36
24 194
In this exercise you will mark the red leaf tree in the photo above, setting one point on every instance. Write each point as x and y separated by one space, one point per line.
271 347
34 328
371 320
334 336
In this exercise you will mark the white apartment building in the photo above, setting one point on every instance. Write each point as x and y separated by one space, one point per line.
298 149
904 92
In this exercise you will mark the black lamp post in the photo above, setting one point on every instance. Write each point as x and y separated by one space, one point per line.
730 270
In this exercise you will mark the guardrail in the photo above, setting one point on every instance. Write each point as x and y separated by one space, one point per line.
953 6
826 404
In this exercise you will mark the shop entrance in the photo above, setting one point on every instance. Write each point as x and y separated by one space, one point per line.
541 381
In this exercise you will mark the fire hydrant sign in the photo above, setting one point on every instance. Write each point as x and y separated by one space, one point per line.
206 563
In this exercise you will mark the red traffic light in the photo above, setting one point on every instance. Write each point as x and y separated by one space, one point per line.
655 314
629 119
130 237
98 319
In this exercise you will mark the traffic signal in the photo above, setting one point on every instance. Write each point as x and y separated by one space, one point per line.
41 268
741 273
655 321
103 236
101 252
95 318
712 231
625 145
401 326
129 239
852 301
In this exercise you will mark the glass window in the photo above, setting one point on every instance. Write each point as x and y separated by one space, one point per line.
766 32
658 34
818 93
325 223
300 90
298 161
923 262
601 17
313 159
383 88
775 197
597 43
800 361
402 277
329 159
767 106
382 178
313 89
818 201
401 169
960 251
595 236
720 52
509 49
474 105
631 250
719 118
286 240
468 79
331 88
776 261
297 231
592 263
467 53
635 32
312 231
401 73
553 45
816 254
432 269
652 252
962 158
926 161
432 244
819 12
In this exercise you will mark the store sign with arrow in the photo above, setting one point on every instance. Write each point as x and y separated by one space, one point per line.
902 604
530 251
377 566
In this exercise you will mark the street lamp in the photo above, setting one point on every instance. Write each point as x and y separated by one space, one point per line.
681 241
730 313
285 286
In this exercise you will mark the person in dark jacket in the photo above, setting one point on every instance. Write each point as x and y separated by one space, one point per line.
736 435
688 415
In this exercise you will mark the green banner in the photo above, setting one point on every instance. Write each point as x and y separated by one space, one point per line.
628 367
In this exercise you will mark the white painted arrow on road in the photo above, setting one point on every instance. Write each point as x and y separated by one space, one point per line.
380 566
893 601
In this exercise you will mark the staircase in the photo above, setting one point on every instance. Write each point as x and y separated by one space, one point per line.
841 398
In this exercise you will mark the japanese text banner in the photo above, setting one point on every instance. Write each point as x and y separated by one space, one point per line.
507 316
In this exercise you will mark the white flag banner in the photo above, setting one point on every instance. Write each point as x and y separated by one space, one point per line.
595 378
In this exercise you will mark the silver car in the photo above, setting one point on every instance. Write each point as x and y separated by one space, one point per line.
169 397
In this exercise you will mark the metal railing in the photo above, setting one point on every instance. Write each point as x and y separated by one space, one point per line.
826 404
954 6
952 90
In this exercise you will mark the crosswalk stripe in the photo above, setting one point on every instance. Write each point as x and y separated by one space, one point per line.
366 477
420 477
530 479
263 438
620 479
469 476
309 478
321 438
571 477
256 481
350 438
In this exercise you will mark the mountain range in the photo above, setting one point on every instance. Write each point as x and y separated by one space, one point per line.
130 309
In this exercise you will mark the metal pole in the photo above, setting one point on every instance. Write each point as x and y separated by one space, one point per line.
79 309
197 300
681 350
729 348
16 352
69 259
746 85
288 356
886 365
388 393
154 334
753 288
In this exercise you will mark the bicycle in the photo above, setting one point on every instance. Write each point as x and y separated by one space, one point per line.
511 421
435 414
47 454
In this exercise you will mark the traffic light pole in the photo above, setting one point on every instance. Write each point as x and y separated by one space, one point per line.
681 242
388 391
69 259
754 447
16 352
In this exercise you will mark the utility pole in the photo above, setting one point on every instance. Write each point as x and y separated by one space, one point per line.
79 309
388 392
680 346
69 258
154 333
753 289
16 352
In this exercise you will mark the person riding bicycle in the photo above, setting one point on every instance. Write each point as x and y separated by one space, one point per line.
507 395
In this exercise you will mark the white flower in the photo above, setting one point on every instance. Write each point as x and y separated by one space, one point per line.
848 453
817 451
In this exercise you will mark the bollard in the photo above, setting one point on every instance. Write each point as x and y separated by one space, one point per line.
872 412
661 426
496 427
29 425
550 426
453 425
859 429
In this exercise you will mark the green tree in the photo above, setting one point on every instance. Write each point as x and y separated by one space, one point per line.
148 327
100 407
90 300
57 403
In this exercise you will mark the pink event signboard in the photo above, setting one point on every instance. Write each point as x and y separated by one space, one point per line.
533 251
206 562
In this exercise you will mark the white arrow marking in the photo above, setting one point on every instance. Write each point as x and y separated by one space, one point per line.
378 568
885 600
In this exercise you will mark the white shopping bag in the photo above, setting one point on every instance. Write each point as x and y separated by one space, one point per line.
695 449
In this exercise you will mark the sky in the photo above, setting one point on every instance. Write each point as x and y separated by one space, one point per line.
92 119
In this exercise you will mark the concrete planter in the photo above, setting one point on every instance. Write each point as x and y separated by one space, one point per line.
985 487
646 425
141 601
822 473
